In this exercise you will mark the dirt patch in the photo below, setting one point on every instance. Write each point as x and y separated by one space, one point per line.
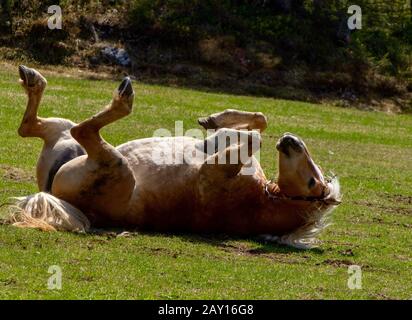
112 233
242 249
8 282
345 263
387 209
405 225
381 296
347 252
162 251
399 198
16 174
402 257
341 243
382 221
337 263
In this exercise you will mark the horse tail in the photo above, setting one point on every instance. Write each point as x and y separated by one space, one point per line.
48 213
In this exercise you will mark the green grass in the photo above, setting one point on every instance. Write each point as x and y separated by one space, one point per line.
371 152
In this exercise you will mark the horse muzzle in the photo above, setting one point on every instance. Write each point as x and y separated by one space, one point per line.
290 142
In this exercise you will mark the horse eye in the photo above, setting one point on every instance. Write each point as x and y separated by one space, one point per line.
311 182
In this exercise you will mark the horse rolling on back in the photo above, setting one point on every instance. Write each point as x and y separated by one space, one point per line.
85 182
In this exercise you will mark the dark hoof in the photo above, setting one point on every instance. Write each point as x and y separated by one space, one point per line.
125 88
207 123
27 75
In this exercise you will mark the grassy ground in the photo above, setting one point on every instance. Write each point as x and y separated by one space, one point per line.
371 152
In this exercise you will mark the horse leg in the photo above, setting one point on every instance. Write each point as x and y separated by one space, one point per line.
34 84
235 119
101 183
32 125
225 177
59 147
230 155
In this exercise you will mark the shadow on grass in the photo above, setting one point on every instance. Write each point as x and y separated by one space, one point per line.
222 241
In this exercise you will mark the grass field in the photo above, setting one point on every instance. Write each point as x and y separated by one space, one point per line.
370 152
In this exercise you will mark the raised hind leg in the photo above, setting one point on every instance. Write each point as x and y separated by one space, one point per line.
34 84
235 119
32 125
101 183
59 147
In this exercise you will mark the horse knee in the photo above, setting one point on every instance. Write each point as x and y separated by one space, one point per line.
79 132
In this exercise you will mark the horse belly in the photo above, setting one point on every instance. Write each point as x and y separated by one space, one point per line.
166 192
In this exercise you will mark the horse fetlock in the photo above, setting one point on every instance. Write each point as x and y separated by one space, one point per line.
121 106
123 98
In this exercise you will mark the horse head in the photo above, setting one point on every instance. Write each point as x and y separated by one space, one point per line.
304 195
299 176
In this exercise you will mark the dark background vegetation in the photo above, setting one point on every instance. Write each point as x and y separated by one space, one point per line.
295 49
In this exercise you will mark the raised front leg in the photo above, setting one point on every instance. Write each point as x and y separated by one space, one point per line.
231 151
227 179
235 119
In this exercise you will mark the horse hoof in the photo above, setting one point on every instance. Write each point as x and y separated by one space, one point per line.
125 88
27 75
207 123
32 79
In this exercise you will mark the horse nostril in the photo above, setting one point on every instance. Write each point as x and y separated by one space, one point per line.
289 141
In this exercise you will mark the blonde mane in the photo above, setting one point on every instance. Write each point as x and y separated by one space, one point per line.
305 237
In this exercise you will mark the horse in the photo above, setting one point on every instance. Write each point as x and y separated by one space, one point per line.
84 182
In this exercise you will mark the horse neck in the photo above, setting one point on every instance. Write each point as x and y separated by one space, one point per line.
281 216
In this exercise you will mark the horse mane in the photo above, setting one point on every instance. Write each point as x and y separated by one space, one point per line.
305 237
45 212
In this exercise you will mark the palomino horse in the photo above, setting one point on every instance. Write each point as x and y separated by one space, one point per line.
84 181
